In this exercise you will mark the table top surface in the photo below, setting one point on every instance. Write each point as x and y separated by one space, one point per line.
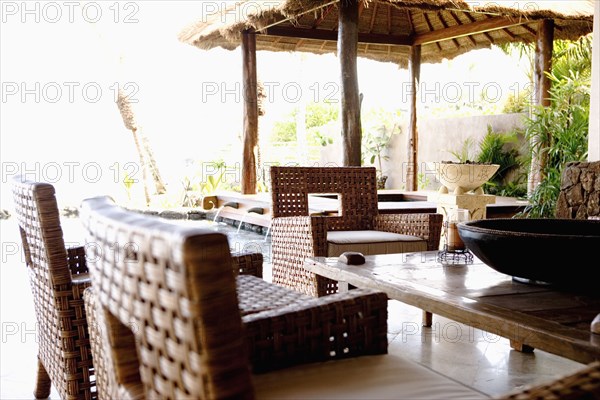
539 316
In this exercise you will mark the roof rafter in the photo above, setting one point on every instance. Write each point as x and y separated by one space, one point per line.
430 26
321 34
453 32
445 25
459 22
486 34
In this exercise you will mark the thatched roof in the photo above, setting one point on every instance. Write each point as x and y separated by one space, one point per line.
443 28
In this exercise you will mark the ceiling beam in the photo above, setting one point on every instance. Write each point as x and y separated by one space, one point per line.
459 22
320 34
466 29
430 26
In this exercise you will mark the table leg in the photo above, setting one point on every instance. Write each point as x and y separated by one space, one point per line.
520 346
427 319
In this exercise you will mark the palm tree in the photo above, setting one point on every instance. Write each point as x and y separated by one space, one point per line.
142 145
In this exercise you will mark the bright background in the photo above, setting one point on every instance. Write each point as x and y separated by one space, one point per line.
190 103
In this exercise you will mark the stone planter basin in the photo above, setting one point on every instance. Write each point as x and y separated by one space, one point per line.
562 252
460 178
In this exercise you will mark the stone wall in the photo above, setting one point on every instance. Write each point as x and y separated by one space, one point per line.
579 191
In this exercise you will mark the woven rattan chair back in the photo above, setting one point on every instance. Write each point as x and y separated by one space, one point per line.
355 186
173 290
57 284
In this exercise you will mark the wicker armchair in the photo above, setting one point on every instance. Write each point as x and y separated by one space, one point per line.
58 277
199 329
358 226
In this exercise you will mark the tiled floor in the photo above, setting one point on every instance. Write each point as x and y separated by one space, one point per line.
476 358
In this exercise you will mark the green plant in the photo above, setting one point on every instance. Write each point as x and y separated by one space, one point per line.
559 132
128 182
214 182
465 153
517 103
379 128
499 148
317 116
423 180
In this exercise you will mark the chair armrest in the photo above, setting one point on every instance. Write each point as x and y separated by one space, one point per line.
95 326
340 325
106 361
293 239
76 260
583 384
307 234
247 264
425 225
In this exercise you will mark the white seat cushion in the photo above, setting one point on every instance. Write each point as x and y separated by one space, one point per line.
369 377
369 242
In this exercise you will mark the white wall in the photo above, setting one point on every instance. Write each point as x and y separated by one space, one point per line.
594 132
439 136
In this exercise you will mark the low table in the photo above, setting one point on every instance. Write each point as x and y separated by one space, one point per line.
530 316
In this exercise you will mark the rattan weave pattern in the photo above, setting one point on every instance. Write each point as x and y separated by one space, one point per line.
356 186
583 384
318 329
175 289
58 278
296 235
426 226
247 263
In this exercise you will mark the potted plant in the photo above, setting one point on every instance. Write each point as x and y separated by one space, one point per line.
464 175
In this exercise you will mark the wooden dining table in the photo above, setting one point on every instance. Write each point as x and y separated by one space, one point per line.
531 316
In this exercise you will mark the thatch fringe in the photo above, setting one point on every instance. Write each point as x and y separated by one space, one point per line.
573 19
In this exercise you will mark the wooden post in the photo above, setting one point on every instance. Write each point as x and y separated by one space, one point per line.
250 112
350 103
414 70
543 63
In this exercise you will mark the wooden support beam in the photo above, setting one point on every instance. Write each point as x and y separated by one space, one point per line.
389 19
373 15
530 30
350 99
542 84
466 29
487 35
321 34
250 112
459 22
323 16
445 25
414 70
430 26
511 35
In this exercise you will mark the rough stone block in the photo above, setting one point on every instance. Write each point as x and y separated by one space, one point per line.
562 208
587 180
593 204
581 213
570 177
575 195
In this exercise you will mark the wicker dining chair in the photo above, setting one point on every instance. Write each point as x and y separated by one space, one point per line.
200 326
357 226
58 277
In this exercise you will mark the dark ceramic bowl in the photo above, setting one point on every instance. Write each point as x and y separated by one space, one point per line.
561 252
